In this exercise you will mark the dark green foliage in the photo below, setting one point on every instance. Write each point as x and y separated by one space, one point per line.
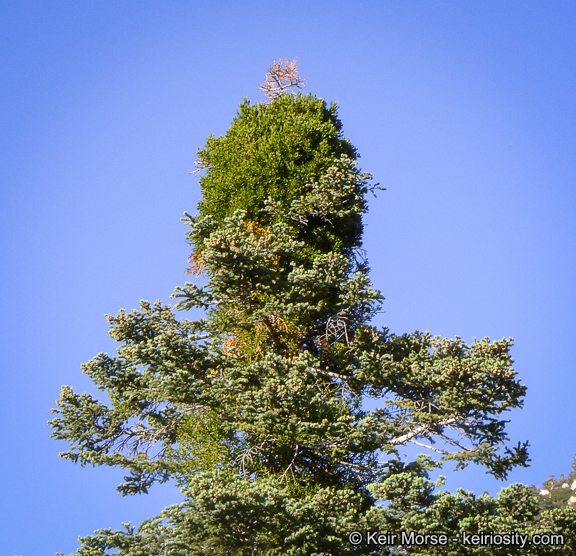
414 506
224 515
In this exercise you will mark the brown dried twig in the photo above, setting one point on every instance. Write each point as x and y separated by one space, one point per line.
281 76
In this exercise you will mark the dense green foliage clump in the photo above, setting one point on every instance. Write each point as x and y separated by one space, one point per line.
270 150
257 409
274 152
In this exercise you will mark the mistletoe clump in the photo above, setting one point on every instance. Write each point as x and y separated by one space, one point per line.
275 153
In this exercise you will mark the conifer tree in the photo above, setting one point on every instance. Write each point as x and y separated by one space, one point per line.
256 410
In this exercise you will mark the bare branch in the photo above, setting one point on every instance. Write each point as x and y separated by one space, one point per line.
418 431
437 450
281 77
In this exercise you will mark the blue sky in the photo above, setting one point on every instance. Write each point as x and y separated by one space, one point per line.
464 111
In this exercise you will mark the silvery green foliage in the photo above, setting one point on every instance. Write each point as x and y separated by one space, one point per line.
256 409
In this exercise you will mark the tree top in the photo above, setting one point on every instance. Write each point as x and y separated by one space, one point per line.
280 78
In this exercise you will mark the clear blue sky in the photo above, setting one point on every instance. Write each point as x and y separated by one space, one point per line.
464 111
